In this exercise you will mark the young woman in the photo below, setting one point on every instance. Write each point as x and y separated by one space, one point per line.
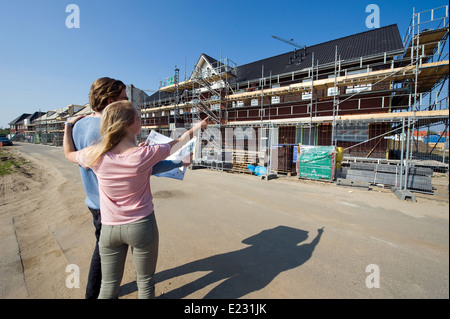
103 92
123 171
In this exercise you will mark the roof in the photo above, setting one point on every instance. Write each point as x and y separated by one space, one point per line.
86 110
19 119
209 59
58 113
159 95
369 43
34 116
425 133
419 133
374 42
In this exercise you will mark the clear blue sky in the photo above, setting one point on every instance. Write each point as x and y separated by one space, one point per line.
44 65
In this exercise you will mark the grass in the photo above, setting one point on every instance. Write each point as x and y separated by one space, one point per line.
8 162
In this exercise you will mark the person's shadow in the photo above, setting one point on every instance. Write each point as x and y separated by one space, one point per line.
243 271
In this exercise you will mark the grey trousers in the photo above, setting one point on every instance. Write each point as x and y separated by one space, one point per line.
143 237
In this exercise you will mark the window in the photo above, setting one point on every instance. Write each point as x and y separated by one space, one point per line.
333 91
238 104
215 107
359 88
306 96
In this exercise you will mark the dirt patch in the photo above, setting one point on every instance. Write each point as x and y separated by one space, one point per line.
18 174
37 204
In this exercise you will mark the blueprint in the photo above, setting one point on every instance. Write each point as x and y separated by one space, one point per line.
186 150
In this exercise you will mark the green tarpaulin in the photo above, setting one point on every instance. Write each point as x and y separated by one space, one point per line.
316 162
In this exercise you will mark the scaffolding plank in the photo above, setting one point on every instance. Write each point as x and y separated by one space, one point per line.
329 119
429 39
400 73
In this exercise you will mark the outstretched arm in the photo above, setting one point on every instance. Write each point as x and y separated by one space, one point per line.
186 137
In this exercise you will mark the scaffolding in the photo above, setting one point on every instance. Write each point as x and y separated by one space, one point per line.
387 97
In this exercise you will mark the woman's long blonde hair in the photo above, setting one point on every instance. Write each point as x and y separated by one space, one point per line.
117 117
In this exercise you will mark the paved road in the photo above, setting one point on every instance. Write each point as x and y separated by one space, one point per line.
228 235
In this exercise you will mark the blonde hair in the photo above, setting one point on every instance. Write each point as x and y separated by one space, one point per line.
117 117
103 89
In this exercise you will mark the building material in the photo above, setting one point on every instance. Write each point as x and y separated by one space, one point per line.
403 194
418 178
316 162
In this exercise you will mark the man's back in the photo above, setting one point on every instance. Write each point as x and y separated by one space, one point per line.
86 132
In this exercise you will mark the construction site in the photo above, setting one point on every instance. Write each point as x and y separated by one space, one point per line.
345 110
324 175
367 109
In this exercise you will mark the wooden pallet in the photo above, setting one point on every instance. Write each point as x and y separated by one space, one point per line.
241 168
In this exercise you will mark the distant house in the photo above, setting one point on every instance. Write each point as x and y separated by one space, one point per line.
18 126
53 121
41 122
29 122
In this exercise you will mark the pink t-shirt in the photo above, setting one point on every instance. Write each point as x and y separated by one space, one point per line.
124 183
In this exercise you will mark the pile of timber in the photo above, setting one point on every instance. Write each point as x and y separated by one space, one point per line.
243 158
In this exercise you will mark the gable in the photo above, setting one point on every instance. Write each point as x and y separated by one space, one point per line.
206 66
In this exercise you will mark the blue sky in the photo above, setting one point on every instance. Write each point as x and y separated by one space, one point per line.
44 65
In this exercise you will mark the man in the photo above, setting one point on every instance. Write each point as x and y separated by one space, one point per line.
86 132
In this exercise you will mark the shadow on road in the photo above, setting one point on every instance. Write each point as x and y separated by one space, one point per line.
271 252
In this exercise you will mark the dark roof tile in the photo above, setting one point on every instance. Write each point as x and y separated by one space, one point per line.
19 119
372 42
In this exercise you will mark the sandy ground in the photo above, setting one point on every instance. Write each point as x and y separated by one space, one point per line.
227 235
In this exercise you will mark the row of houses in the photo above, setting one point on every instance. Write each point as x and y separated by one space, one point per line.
27 125
45 122
48 127
40 125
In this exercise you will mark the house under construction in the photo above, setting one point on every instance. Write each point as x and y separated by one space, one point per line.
357 92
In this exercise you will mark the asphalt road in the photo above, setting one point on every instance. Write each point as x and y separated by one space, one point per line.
225 235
